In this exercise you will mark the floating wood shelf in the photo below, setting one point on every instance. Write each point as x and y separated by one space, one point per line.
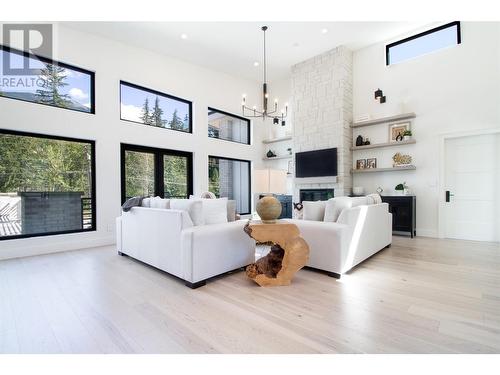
280 139
380 145
382 120
278 157
391 169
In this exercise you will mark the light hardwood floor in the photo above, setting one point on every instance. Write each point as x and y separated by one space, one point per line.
419 296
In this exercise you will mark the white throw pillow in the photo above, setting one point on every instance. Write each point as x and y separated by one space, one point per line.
360 201
231 210
192 206
374 198
314 210
146 202
335 206
214 210
158 202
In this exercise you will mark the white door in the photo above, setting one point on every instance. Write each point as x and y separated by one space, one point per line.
472 178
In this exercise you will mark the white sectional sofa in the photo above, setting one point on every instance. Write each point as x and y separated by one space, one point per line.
168 240
361 229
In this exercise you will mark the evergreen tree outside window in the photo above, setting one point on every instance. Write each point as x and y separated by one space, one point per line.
47 185
57 84
149 107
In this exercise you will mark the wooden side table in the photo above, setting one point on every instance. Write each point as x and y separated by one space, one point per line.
289 253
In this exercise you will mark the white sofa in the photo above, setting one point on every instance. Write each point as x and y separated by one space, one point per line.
358 233
168 240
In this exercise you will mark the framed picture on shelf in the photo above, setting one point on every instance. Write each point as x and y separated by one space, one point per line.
396 131
371 163
360 164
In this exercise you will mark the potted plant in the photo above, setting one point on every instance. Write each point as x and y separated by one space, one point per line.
407 135
402 188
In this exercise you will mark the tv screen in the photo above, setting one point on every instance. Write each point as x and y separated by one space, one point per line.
318 163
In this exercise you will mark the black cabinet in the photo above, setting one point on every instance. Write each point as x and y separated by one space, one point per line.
403 210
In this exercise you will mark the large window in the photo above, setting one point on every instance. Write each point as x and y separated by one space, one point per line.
229 127
47 185
45 81
148 171
230 178
153 108
429 41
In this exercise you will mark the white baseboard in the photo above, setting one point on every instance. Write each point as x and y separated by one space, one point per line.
427 233
52 244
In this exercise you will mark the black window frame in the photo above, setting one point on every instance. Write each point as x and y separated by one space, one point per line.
159 93
63 65
212 109
159 167
249 178
419 35
93 185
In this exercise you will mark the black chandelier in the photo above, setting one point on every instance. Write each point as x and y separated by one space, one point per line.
264 112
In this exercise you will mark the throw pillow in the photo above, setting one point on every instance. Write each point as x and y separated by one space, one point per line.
314 210
360 201
146 202
214 210
374 198
231 210
193 207
158 202
335 206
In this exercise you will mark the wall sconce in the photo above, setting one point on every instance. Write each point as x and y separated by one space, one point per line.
380 96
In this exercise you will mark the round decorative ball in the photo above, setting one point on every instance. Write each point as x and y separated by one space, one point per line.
269 209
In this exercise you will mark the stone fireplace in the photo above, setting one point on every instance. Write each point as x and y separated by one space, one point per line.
322 113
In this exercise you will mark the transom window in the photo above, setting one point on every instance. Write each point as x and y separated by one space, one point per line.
429 41
149 107
46 81
223 125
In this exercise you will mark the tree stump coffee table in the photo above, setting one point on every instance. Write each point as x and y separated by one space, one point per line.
289 252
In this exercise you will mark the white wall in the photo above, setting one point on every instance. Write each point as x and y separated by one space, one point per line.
282 90
452 90
112 62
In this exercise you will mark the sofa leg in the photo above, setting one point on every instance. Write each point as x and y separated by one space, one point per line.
333 274
195 285
388 246
121 254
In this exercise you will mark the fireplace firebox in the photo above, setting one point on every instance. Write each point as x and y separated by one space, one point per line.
315 194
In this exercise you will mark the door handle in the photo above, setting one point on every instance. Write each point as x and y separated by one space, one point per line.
448 194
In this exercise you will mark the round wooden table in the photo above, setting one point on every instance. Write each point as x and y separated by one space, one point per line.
289 252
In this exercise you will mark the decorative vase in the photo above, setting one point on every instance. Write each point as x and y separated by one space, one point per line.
358 190
407 137
367 142
270 154
269 209
359 140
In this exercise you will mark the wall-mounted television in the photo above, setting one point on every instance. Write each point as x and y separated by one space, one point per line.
319 163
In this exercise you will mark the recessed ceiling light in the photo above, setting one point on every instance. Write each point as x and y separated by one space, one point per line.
184 36
324 31
256 63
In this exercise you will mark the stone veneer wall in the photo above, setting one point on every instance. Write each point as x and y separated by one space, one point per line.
322 112
43 212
